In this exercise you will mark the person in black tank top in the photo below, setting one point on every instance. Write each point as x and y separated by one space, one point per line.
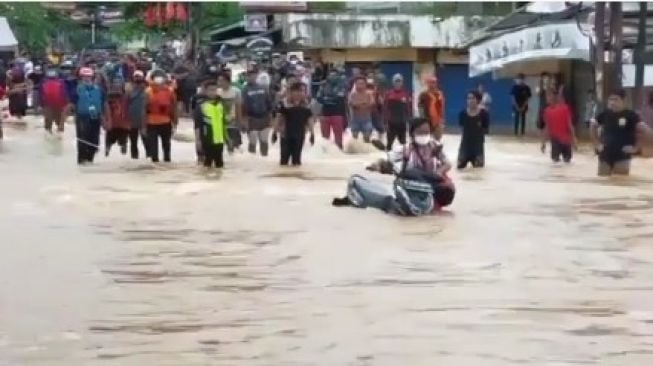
474 122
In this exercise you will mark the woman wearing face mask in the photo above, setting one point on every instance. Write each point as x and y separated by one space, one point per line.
421 185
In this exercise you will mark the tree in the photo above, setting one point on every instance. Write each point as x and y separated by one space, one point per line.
33 24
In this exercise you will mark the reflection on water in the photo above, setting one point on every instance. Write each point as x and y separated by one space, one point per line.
130 263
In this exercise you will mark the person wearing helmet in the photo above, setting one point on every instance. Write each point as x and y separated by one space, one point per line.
90 113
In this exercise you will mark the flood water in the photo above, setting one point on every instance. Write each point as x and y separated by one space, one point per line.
124 264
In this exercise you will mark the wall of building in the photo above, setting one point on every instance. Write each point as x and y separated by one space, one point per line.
380 31
368 55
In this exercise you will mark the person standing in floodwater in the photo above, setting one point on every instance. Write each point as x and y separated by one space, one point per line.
161 117
257 113
91 110
213 128
614 134
397 111
230 96
136 113
521 94
294 119
332 97
431 106
361 102
475 122
558 128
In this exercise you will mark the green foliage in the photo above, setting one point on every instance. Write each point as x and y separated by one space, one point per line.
32 24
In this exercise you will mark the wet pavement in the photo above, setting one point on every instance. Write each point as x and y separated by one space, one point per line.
123 263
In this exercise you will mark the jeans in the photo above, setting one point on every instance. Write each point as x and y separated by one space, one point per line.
361 125
520 119
88 139
164 132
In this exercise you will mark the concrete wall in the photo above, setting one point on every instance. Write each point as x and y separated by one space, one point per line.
368 55
380 31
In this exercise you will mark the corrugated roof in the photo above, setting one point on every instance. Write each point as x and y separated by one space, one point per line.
7 39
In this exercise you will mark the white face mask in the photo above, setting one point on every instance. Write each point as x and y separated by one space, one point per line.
422 139
159 80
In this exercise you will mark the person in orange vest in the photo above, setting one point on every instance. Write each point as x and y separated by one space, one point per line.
431 106
161 117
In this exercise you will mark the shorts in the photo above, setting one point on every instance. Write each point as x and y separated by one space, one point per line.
559 149
358 125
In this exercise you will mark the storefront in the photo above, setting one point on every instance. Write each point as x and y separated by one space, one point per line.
559 48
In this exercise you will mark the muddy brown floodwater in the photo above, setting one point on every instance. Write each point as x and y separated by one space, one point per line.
125 264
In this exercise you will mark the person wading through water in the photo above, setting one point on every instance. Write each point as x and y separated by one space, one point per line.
332 97
161 108
614 134
558 128
17 92
361 102
397 111
136 113
474 122
294 119
54 100
91 109
431 106
213 130
521 94
231 101
257 113
117 127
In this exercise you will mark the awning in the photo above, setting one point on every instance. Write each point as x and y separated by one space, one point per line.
8 41
562 41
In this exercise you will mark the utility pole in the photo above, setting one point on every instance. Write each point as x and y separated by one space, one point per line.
599 50
616 28
640 48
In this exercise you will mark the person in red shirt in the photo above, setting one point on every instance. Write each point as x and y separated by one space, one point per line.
397 111
559 128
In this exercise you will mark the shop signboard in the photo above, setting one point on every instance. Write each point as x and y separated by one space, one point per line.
550 41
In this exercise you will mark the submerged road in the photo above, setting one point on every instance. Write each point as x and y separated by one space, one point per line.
125 264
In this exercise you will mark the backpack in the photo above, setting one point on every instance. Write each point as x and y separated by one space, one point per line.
54 94
160 101
115 80
256 102
89 101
